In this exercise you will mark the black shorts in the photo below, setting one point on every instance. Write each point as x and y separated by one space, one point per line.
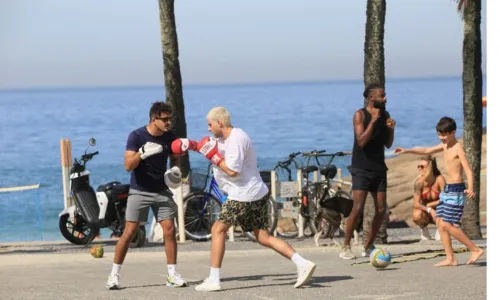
369 180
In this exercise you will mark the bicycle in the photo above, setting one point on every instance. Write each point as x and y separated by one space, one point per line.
320 194
202 207
302 200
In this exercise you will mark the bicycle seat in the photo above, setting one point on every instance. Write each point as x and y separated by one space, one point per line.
329 171
309 169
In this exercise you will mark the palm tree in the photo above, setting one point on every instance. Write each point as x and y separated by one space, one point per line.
472 85
172 73
374 72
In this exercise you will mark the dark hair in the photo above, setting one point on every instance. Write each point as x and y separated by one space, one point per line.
446 125
432 161
370 87
159 107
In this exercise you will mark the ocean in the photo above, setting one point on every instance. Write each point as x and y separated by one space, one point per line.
279 117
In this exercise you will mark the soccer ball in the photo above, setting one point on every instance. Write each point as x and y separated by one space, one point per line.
380 258
97 251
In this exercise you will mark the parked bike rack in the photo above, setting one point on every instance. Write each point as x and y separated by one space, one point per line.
293 189
288 189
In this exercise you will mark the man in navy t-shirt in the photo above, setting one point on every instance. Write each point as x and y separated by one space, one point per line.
147 152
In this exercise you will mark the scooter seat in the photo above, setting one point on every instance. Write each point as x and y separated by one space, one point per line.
121 188
107 186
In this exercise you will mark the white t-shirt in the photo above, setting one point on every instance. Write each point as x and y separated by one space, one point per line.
240 157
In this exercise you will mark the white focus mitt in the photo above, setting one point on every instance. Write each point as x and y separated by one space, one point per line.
150 149
173 177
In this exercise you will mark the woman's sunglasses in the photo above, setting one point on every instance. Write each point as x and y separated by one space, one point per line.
420 167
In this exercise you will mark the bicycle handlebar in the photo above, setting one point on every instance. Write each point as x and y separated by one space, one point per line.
313 153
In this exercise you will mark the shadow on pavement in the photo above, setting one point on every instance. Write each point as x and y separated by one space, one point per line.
255 277
26 251
141 286
480 264
315 282
387 269
404 242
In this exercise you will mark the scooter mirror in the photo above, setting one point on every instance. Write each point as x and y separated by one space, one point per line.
92 142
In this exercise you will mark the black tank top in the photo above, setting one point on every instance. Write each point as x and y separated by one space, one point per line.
372 156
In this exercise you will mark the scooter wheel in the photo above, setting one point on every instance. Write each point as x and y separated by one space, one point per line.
76 231
139 238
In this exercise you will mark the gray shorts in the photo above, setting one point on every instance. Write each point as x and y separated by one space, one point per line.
139 202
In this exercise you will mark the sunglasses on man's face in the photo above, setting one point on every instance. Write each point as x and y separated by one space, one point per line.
165 119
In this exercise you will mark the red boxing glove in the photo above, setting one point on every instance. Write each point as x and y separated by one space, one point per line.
180 146
208 147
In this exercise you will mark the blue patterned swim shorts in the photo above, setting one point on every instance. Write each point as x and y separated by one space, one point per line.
451 203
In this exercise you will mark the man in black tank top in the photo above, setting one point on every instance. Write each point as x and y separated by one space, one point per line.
373 132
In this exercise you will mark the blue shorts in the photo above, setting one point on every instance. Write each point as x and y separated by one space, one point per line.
451 203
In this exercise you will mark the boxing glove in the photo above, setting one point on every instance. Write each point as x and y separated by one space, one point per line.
150 149
173 177
208 148
180 146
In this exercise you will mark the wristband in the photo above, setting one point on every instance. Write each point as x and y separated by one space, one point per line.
429 209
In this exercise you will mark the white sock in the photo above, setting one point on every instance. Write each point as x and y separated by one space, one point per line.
171 270
215 274
298 260
116 269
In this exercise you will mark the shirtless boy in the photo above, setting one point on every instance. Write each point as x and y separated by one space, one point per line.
452 198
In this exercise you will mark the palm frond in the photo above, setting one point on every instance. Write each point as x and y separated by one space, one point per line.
461 6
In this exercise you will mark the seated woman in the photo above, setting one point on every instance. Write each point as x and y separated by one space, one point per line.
427 187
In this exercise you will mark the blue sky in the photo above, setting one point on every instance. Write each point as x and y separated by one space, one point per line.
63 43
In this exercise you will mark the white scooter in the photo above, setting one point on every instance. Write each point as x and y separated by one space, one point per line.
81 223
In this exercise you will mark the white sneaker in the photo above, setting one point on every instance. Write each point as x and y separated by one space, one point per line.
368 251
176 281
113 282
424 234
437 237
304 273
346 253
208 285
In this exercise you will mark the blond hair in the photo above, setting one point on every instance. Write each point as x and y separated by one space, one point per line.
433 171
219 113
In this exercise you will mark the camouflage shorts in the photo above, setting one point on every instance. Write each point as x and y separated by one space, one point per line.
248 215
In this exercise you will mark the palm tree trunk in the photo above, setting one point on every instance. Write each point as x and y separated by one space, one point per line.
172 73
374 72
472 84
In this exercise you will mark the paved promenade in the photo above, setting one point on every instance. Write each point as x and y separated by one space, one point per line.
60 271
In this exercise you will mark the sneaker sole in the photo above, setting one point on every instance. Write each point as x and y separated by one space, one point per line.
308 277
215 290
113 287
347 258
176 285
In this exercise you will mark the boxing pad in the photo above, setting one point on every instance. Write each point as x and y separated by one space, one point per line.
150 149
180 146
173 177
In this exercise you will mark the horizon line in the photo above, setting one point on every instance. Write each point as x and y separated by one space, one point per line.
220 85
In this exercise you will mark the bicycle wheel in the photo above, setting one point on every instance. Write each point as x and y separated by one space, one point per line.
293 234
201 210
272 222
